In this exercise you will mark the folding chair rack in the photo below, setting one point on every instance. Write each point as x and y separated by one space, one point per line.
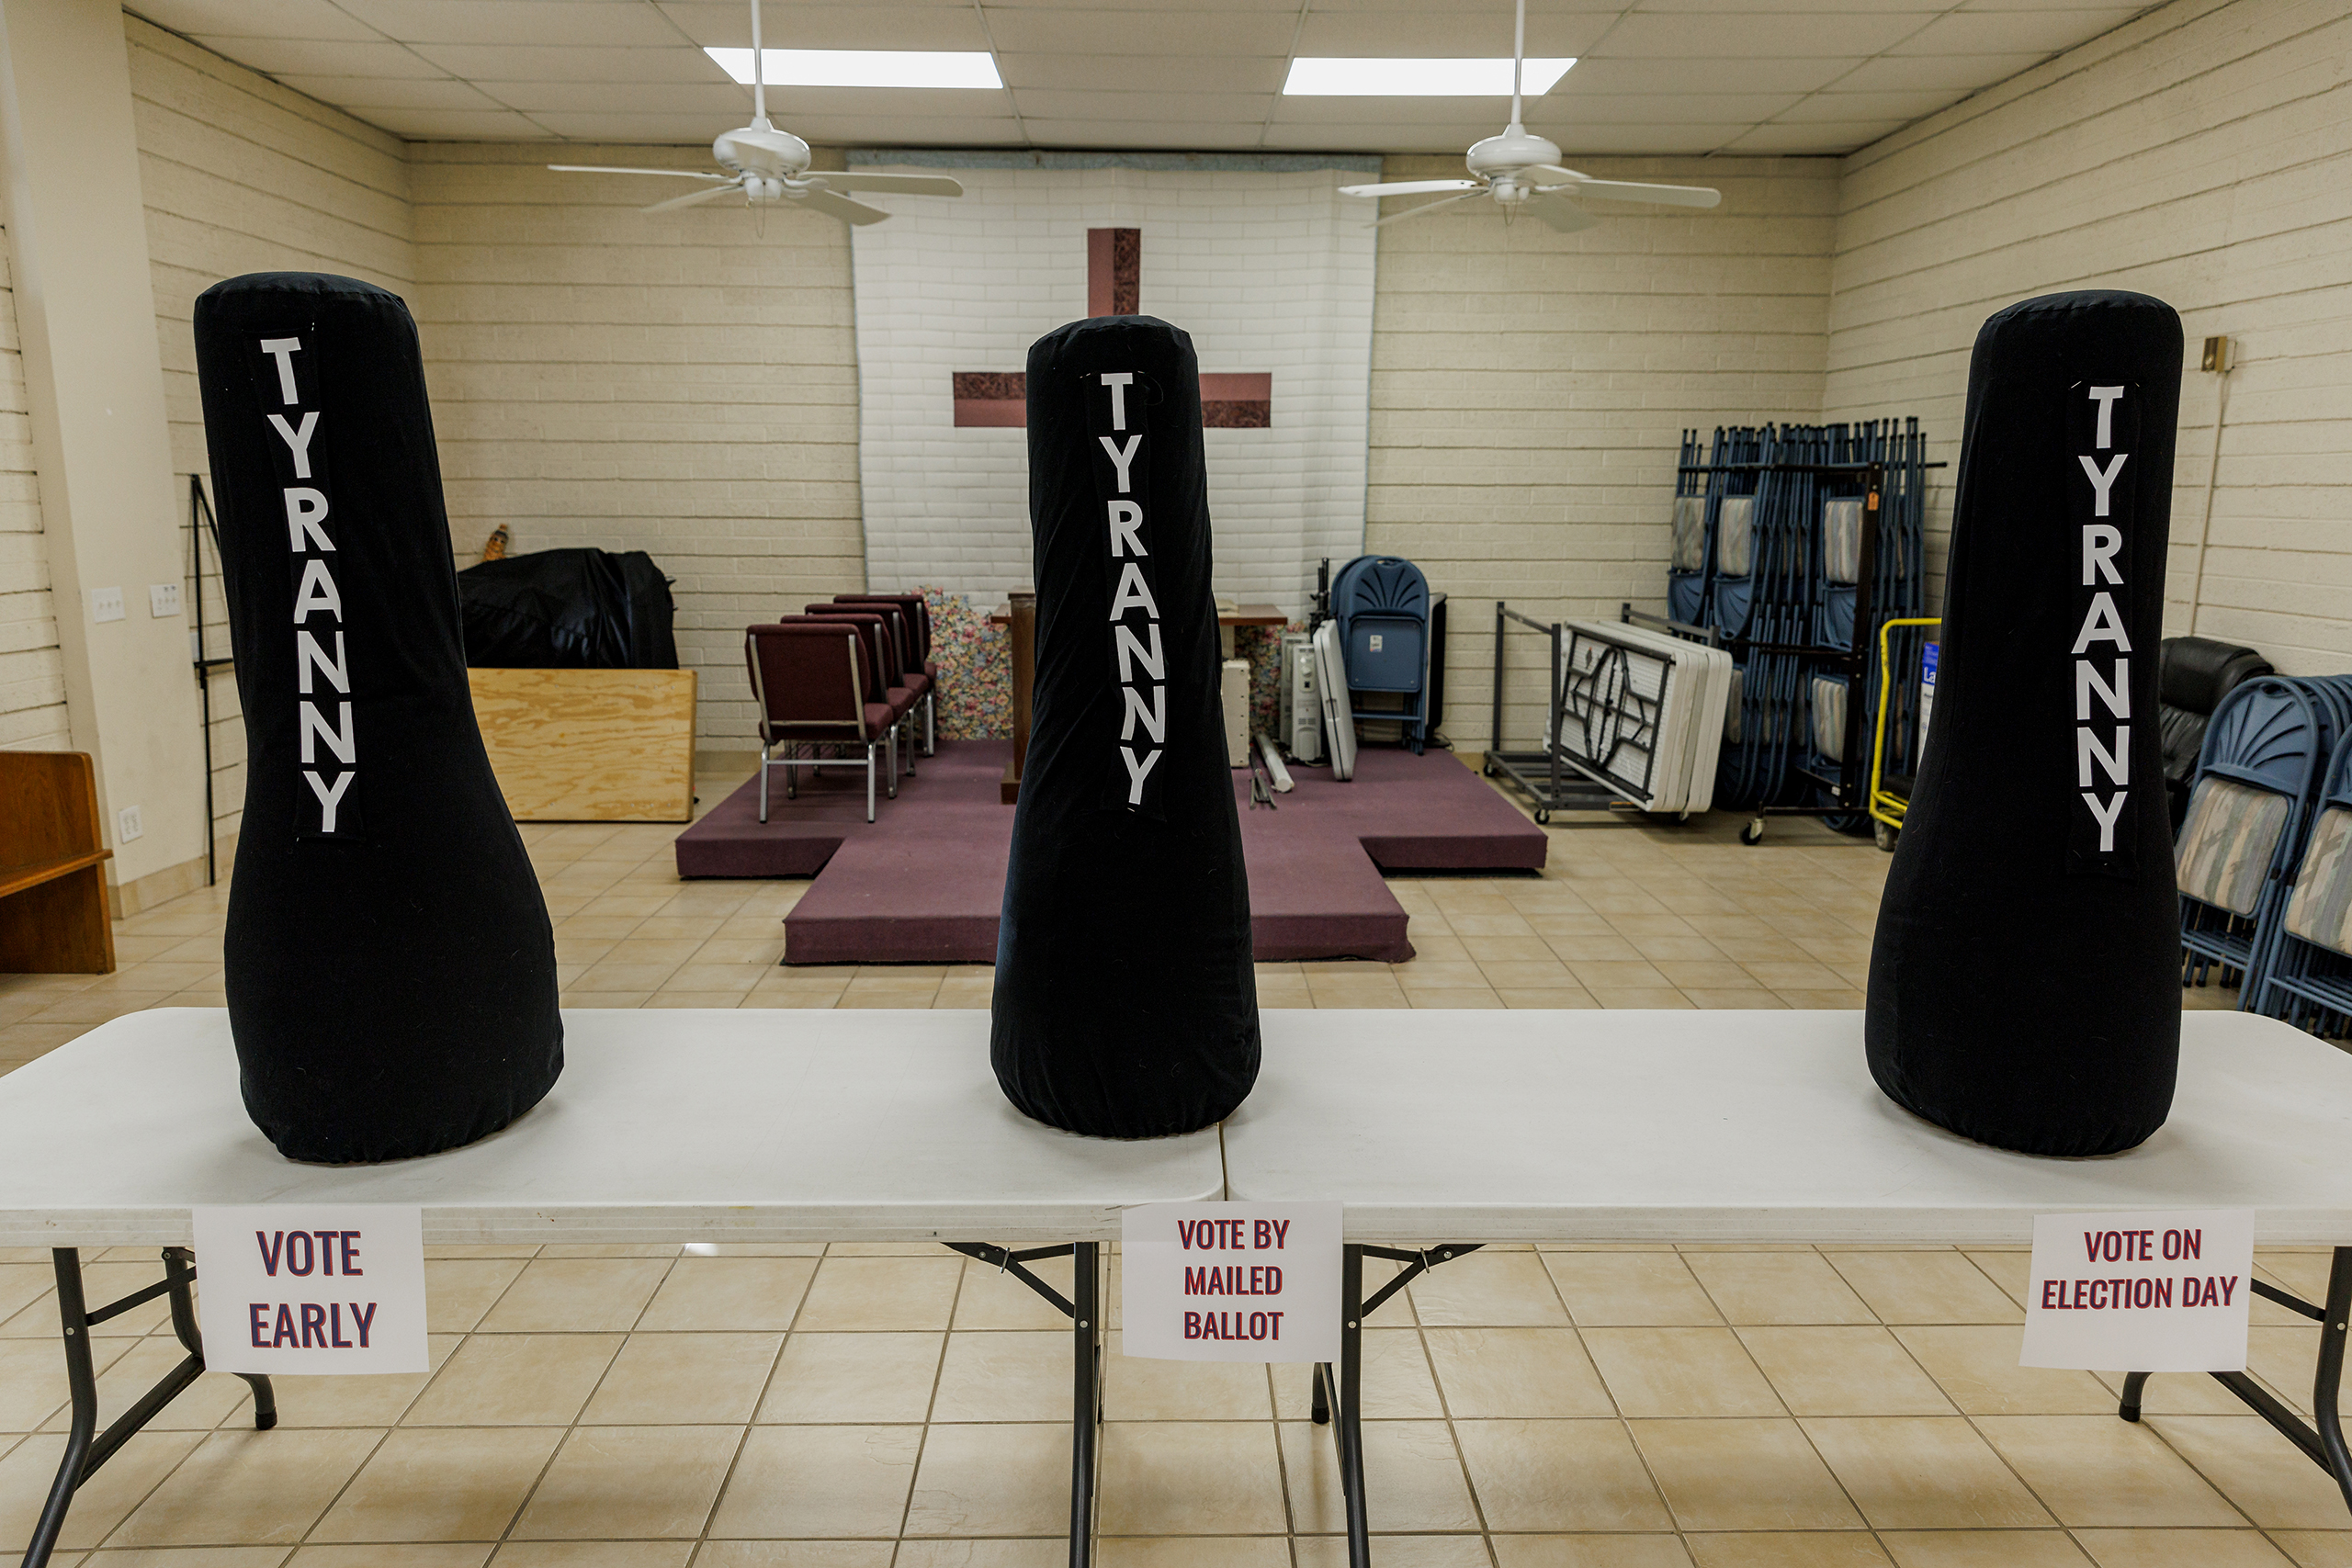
1849 788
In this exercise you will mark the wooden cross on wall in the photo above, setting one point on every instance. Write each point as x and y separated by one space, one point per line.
999 398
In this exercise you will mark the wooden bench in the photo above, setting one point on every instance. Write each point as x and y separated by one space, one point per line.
52 886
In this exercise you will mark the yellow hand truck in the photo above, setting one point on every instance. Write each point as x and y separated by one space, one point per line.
1887 805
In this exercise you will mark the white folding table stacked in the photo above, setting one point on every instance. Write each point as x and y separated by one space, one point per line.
667 1127
1442 1132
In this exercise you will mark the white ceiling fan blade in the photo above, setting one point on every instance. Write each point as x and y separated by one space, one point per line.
1411 188
1426 207
1559 213
693 197
841 207
909 185
602 169
1666 195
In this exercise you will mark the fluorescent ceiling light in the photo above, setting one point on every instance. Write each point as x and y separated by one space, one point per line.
1330 77
862 67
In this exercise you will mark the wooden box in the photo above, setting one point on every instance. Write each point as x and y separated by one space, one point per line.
590 745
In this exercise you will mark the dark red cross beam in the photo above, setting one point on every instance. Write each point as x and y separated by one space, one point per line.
999 398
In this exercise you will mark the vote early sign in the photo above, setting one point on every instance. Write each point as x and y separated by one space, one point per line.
2140 1291
312 1288
1231 1281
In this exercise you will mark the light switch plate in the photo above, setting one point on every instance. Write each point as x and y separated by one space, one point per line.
127 825
105 603
162 599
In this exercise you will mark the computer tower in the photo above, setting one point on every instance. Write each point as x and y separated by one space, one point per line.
1300 715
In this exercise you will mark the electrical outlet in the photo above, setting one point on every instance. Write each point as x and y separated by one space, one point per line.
162 599
127 825
105 603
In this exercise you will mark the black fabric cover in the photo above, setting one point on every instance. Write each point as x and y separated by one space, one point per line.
577 609
2025 984
1127 998
390 970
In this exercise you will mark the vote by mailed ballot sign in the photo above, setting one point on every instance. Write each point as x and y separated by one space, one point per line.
312 1288
2144 1291
1231 1281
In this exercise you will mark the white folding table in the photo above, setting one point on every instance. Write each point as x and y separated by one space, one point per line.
1752 1126
688 1125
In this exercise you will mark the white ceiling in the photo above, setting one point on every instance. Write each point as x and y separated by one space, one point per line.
1658 76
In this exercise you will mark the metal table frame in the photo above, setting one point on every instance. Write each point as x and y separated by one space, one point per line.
87 1449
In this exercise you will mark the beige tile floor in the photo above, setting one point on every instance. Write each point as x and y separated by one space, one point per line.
894 1407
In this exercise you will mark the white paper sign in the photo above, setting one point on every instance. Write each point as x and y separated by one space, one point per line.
1231 1281
2141 1292
295 1288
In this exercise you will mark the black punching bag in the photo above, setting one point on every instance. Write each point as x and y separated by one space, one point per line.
2025 984
392 972
1127 998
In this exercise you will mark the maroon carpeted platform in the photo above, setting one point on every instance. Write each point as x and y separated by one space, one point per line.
923 884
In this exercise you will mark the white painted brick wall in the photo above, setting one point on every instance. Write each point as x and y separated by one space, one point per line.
1529 390
2202 153
1268 271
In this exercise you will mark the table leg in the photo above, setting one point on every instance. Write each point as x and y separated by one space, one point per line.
2321 1440
1086 1399
86 1448
82 1380
1351 1427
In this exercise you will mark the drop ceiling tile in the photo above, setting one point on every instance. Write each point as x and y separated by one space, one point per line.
1199 108
789 106
953 24
1144 72
278 57
632 127
1436 34
1919 10
1826 138
1903 108
1924 72
1658 138
1489 114
618 23
1362 135
2043 30
1696 75
1759 36
934 130
255 19
726 104
1656 108
456 125
1093 31
1129 134
361 94
521 62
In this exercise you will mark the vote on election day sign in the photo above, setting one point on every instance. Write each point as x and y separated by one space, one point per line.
1231 1281
2143 1292
312 1288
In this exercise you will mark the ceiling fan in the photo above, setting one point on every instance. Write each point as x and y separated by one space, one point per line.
1522 171
771 165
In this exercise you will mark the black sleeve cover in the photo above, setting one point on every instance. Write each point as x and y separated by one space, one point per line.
390 970
1126 999
2025 983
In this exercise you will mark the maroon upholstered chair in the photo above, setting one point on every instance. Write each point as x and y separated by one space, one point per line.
917 613
814 682
886 644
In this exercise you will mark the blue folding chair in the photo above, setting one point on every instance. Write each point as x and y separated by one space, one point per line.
2256 778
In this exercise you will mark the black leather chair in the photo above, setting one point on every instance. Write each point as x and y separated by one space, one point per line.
2194 673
